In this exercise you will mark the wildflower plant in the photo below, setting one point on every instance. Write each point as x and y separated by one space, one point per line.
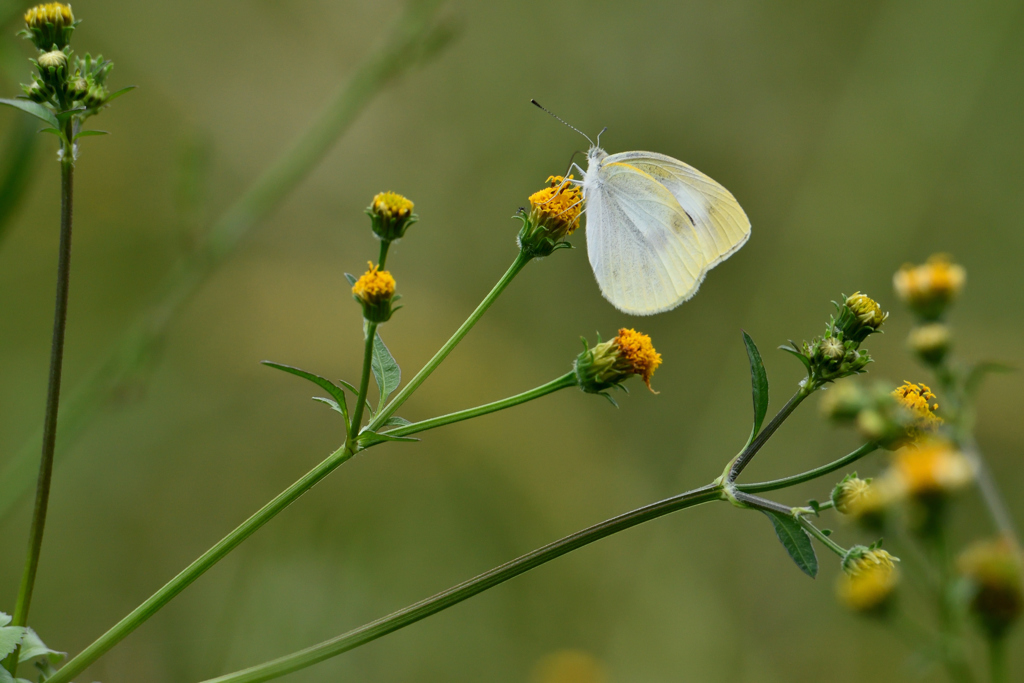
933 455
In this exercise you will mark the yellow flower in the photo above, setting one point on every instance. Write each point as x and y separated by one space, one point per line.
391 215
609 363
918 399
56 13
930 467
569 666
928 289
869 590
392 205
861 560
557 206
994 571
638 350
374 286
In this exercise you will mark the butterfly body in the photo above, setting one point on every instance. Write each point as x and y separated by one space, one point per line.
655 226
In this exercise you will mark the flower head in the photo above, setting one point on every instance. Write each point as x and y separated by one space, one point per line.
929 289
929 342
554 215
391 215
861 559
54 59
993 570
869 590
375 291
930 468
609 363
860 316
919 401
50 25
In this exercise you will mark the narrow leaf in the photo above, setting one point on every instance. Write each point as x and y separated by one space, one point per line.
395 421
336 392
799 356
385 370
35 109
796 542
339 407
758 385
980 371
355 392
368 438
89 133
117 93
351 279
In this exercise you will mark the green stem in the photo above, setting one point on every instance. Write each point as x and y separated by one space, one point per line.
384 246
748 453
60 318
786 482
453 596
566 380
400 398
820 535
364 382
147 609
997 660
415 37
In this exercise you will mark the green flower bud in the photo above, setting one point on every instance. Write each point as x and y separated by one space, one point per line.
859 316
930 343
844 401
95 97
51 61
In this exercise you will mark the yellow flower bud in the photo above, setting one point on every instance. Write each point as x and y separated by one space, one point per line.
554 215
375 291
929 289
861 559
993 571
391 215
869 590
50 25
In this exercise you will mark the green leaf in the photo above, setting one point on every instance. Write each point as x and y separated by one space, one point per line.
35 109
795 351
334 405
368 438
395 421
336 392
33 647
89 133
796 542
980 370
6 677
117 93
758 385
351 279
355 392
10 638
385 370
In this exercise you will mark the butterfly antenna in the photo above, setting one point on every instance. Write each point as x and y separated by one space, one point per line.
559 118
600 134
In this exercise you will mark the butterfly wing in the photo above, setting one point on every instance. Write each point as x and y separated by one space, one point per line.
719 224
645 253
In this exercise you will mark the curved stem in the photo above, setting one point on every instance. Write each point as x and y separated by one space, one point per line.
60 317
744 458
566 380
453 596
786 482
147 609
421 376
364 382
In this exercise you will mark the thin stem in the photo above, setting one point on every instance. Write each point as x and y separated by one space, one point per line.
744 458
453 596
566 380
364 382
997 660
384 246
147 609
786 482
820 535
60 318
400 398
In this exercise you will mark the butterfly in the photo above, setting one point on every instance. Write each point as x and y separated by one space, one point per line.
655 227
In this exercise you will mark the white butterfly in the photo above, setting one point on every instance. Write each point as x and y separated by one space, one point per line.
655 227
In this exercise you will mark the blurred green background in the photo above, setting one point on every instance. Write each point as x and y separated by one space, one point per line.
857 136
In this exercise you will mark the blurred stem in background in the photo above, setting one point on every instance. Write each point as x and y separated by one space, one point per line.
16 169
415 38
